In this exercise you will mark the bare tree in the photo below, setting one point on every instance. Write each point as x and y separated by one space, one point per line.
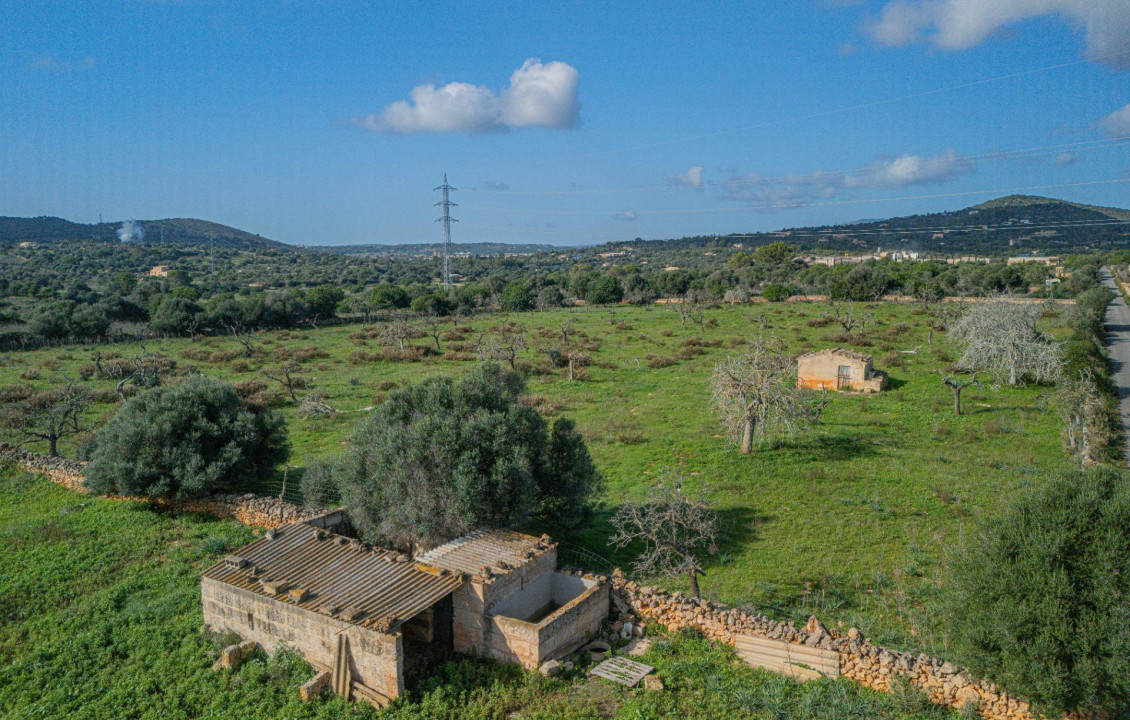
244 338
434 331
576 360
677 529
735 295
755 393
396 331
48 415
286 377
958 381
143 371
506 345
1000 337
1086 432
848 318
567 330
845 316
690 308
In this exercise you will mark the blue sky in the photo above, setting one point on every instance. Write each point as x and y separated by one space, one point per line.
567 123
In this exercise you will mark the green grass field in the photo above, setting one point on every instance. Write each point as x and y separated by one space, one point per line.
848 521
100 619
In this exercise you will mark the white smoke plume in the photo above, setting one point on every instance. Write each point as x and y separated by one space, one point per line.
131 232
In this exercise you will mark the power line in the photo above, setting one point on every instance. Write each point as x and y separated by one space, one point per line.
1020 153
789 206
859 106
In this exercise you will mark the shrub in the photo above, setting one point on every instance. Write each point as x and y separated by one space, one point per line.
1038 597
443 456
185 440
318 488
776 292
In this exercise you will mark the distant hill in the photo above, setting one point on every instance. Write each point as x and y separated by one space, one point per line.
1015 221
429 249
172 231
1012 224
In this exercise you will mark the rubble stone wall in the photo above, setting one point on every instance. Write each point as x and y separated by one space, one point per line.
860 660
247 508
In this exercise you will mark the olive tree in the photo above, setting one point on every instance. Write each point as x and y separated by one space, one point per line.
755 393
677 529
1037 597
185 440
441 457
999 337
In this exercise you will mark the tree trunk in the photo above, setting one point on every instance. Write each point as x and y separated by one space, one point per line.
957 401
694 582
747 437
53 441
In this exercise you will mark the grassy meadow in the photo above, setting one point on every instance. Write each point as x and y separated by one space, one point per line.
100 620
849 520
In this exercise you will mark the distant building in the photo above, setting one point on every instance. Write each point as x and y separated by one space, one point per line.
159 271
1050 260
27 244
839 369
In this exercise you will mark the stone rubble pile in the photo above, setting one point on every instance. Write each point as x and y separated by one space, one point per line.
246 508
870 665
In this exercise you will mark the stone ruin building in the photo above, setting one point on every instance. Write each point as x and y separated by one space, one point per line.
360 614
839 369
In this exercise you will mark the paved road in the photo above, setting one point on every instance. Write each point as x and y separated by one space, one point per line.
1118 345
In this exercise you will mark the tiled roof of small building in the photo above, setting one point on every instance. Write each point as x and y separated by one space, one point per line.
502 550
839 352
335 576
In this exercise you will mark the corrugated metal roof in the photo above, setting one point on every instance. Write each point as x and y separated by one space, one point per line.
342 578
502 550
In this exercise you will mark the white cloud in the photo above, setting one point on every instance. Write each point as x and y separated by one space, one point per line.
961 24
796 190
691 178
625 216
1066 159
494 185
906 170
539 95
1117 124
58 65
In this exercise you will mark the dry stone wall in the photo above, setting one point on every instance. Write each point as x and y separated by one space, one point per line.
860 660
246 508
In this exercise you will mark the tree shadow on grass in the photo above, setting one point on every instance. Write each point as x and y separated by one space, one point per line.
589 548
824 448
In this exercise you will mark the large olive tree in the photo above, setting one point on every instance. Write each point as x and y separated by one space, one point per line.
185 440
441 457
1038 599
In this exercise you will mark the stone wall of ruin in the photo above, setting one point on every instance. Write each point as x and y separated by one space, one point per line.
864 662
376 658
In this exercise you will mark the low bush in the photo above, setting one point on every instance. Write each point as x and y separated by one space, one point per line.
1038 597
185 440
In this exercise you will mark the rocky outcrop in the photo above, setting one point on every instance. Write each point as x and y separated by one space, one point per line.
246 508
635 606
